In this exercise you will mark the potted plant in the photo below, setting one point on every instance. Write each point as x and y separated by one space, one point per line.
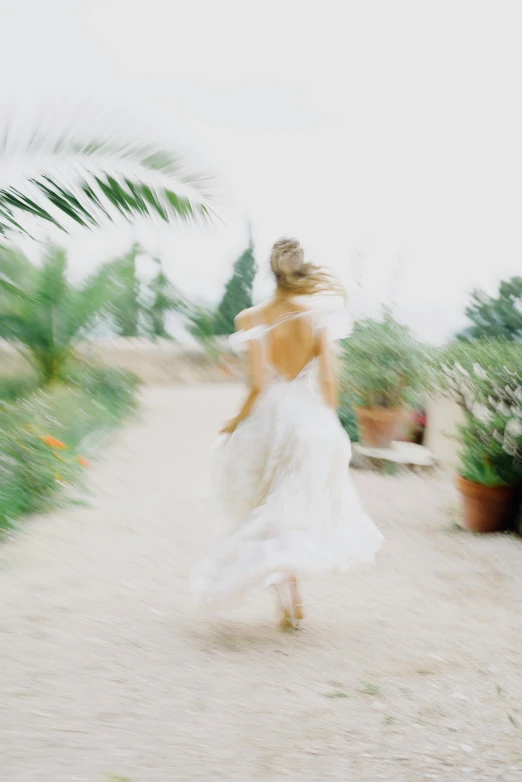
485 378
382 371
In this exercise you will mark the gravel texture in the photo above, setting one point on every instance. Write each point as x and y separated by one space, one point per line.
406 671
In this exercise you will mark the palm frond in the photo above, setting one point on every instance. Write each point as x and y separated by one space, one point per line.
69 181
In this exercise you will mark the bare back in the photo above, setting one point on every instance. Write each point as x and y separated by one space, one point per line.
291 343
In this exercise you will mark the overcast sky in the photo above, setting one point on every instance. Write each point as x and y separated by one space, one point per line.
389 131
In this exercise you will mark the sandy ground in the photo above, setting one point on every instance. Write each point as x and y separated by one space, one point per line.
410 670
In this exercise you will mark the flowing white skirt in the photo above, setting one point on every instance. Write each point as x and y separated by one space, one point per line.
284 485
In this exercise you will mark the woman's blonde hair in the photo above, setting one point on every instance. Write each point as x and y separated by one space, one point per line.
294 275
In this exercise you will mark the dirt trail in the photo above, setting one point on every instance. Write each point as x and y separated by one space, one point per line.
407 671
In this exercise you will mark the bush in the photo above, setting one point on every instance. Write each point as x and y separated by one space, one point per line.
383 364
348 419
485 379
115 388
12 388
44 312
346 408
47 438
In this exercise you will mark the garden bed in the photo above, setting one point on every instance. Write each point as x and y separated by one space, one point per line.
48 437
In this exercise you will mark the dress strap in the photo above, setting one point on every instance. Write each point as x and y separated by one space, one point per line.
337 323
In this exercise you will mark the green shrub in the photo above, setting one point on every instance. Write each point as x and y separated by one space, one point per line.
485 378
383 364
346 413
115 388
44 312
47 438
12 388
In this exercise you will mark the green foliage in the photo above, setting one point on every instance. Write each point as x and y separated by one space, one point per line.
114 388
485 379
17 387
41 310
238 292
346 406
125 305
496 316
70 181
15 272
165 299
483 459
46 438
495 356
202 322
348 418
137 309
383 364
45 313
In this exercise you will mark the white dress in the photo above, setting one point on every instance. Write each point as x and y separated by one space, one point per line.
284 486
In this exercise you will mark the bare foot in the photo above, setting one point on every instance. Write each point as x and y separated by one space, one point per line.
291 613
286 622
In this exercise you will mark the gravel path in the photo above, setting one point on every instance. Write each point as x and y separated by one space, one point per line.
408 671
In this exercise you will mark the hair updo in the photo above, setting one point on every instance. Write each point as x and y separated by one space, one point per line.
295 276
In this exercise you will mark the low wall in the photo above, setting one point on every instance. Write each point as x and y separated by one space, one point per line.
155 363
163 362
443 418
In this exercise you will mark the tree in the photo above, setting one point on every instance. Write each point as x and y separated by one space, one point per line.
238 292
165 299
137 308
15 272
44 312
71 180
499 316
126 307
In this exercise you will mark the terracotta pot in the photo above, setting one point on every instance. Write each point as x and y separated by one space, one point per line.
378 426
406 431
486 508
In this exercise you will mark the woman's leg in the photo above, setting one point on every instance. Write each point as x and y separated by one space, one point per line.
297 600
290 599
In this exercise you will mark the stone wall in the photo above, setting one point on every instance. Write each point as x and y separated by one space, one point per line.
163 362
160 363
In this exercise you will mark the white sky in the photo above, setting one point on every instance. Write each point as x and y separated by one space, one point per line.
390 128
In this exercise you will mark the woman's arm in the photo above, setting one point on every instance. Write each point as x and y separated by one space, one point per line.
257 377
327 372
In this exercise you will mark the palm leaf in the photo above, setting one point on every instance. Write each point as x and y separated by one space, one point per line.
69 181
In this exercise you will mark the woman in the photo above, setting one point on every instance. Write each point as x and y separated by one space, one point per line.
283 459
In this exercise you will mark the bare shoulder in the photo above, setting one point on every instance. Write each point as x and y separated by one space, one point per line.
247 318
268 312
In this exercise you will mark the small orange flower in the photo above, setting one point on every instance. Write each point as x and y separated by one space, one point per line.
83 461
53 442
